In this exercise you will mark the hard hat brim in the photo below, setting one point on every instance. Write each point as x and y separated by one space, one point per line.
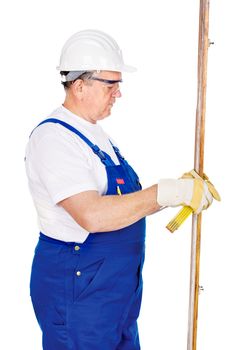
129 69
125 68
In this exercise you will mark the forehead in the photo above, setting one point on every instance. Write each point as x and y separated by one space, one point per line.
110 75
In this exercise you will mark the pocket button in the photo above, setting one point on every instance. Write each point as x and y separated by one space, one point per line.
78 273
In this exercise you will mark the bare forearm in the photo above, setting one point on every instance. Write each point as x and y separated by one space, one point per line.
115 212
107 213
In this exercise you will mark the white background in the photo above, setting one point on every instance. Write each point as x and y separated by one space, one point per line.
153 123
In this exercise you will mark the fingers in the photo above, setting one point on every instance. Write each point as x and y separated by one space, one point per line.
211 187
208 198
213 191
206 201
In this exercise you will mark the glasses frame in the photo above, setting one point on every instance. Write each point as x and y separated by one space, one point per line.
106 81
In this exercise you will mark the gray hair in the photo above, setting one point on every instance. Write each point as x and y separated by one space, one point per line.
67 78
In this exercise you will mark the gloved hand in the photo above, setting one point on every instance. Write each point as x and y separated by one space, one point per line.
186 192
192 174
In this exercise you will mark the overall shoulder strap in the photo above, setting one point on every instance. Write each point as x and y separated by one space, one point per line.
118 154
104 157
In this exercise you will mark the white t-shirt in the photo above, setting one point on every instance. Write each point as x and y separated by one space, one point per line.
60 164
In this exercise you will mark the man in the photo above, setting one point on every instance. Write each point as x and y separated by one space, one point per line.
86 283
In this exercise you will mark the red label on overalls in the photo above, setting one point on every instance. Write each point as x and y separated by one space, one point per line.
120 181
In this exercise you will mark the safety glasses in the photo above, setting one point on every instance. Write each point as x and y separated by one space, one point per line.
106 81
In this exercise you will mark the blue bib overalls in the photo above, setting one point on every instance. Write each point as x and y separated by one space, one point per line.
87 296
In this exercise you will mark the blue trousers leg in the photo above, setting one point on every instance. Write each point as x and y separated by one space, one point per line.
86 301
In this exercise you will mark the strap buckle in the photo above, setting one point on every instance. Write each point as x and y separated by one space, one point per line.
98 152
116 149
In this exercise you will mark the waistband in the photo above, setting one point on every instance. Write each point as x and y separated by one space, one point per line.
95 247
43 237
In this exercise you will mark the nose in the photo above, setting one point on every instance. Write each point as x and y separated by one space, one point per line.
117 93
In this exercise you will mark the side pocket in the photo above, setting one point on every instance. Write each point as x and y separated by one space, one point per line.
140 279
48 315
86 278
47 286
58 319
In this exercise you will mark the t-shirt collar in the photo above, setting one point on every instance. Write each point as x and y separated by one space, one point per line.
75 120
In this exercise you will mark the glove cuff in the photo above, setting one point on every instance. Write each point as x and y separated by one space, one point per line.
172 192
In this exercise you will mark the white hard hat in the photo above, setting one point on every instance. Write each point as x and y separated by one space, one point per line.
92 50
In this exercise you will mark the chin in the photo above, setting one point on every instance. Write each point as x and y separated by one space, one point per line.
105 115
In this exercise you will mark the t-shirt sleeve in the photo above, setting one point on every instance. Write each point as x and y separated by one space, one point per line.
63 167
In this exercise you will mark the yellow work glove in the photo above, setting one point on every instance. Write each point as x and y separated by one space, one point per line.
189 191
184 213
193 174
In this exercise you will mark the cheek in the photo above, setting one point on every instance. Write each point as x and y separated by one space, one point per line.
98 97
94 100
99 105
101 100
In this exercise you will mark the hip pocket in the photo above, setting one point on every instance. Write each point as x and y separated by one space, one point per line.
140 279
86 279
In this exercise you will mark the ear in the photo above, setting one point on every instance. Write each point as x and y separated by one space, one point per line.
77 88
